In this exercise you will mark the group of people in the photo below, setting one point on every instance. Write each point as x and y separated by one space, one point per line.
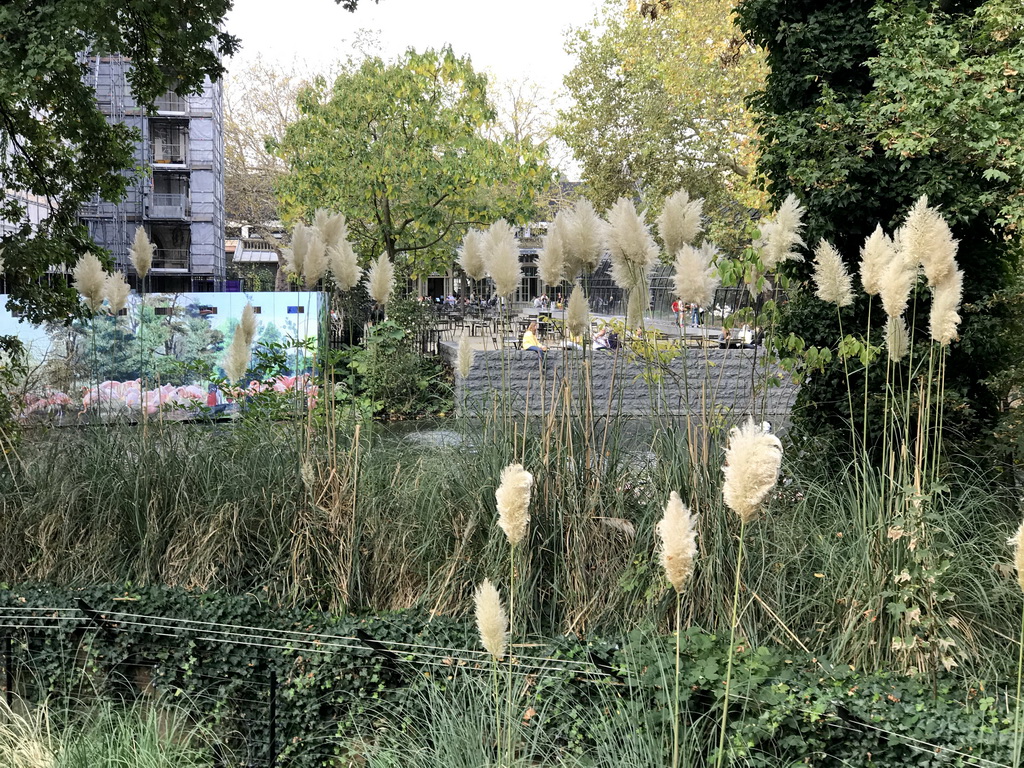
543 302
691 311
603 339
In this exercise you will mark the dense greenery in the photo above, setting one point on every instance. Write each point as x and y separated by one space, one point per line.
397 687
398 148
659 105
867 106
56 146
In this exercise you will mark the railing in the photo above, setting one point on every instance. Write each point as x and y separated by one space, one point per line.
170 155
171 102
170 258
168 206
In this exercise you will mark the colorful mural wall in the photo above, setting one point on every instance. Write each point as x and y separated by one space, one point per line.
163 354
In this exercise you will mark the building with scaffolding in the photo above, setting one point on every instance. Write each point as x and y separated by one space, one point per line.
177 189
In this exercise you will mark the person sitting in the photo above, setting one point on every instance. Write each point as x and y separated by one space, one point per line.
726 341
537 303
530 341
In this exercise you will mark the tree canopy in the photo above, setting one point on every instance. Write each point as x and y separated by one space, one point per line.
659 104
56 146
868 106
401 149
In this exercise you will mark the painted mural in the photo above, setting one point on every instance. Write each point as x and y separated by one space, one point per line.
164 354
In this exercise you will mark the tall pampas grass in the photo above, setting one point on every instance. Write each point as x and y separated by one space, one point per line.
141 253
116 289
247 325
471 255
333 228
380 279
875 255
679 222
897 338
629 239
577 316
238 354
928 241
945 315
465 356
752 463
781 234
696 276
491 621
832 282
677 532
551 261
344 265
501 255
90 280
513 499
583 235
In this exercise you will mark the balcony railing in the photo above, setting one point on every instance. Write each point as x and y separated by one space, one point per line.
168 206
171 102
170 258
170 154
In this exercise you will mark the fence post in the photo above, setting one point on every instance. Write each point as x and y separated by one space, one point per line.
272 740
9 671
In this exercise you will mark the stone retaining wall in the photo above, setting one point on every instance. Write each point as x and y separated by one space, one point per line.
716 384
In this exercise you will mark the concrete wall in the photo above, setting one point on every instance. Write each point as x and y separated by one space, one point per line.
720 384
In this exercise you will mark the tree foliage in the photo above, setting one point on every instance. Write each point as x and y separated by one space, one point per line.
868 106
400 149
56 147
659 104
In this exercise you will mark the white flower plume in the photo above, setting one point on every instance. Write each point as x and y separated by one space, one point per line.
780 235
876 254
471 255
551 261
513 500
316 259
897 338
116 289
833 283
90 280
341 260
381 279
927 240
678 533
501 255
696 276
295 257
577 315
679 222
491 620
465 357
752 463
141 253
583 234
945 314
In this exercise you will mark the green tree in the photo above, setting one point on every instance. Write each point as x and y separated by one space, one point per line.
868 106
659 104
400 150
56 146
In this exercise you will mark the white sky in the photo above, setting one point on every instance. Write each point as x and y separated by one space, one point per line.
513 41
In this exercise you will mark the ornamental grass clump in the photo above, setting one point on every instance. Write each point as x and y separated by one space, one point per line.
90 280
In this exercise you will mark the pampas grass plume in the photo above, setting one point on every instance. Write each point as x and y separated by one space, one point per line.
465 356
628 236
343 265
583 234
247 325
295 257
236 359
116 289
898 280
897 338
945 315
679 222
332 227
832 281
696 278
1017 542
141 253
513 498
471 255
780 235
381 279
927 241
491 621
90 280
678 534
875 255
551 261
752 463
577 316
501 255
316 259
